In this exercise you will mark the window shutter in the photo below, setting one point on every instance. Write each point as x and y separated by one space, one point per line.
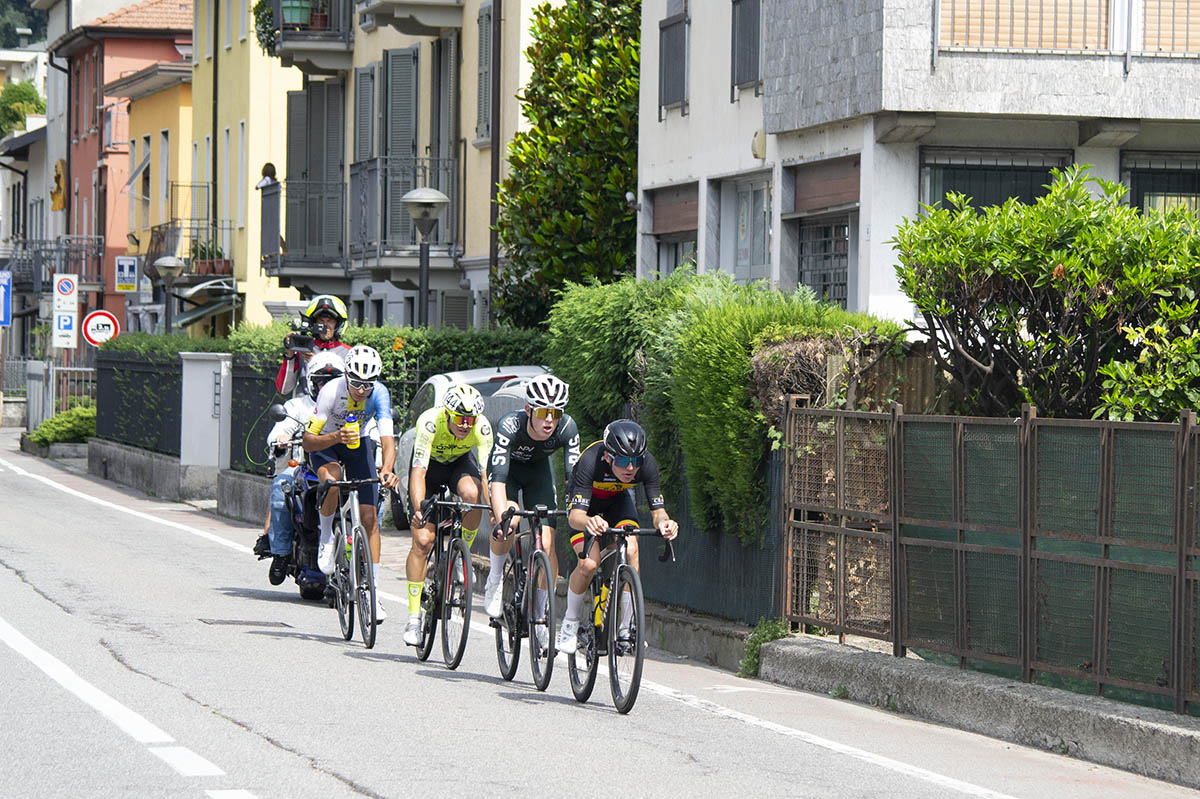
456 309
672 62
746 15
483 95
447 103
364 112
331 189
401 66
297 136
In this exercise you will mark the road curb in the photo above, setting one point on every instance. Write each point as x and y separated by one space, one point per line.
1154 743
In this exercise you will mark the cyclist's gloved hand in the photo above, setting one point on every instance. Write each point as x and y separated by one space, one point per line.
499 531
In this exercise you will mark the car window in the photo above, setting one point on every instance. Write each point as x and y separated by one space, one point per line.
488 387
421 402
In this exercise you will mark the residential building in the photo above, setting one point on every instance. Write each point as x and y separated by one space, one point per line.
397 95
97 159
24 204
808 132
28 61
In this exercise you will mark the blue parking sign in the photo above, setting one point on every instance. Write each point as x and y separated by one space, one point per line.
64 321
5 299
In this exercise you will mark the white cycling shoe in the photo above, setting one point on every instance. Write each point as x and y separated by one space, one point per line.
326 555
412 632
493 600
568 637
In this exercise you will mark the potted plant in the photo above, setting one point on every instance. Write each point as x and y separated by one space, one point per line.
319 20
266 28
209 259
296 13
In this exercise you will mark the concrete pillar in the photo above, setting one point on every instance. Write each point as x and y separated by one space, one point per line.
204 399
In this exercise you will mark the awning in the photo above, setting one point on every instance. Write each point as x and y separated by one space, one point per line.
193 315
141 167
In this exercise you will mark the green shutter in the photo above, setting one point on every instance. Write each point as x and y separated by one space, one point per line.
483 95
401 67
364 112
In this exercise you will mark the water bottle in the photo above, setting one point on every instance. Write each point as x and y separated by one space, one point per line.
352 426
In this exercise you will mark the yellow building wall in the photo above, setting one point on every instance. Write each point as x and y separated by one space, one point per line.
252 90
170 110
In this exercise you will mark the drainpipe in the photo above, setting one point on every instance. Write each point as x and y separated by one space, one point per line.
493 236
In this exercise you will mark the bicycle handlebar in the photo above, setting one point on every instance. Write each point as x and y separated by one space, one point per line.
462 507
351 483
648 532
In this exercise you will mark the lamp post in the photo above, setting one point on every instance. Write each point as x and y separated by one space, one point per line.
169 267
424 205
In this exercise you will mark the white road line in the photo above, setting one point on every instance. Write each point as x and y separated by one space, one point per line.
135 725
187 762
216 539
231 794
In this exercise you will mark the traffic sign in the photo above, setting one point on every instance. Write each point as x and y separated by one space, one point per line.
99 327
5 299
126 274
66 293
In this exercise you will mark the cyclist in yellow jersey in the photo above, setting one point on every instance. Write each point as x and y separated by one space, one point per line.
451 449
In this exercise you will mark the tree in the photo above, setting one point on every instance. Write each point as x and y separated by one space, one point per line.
1070 304
16 102
563 214
17 14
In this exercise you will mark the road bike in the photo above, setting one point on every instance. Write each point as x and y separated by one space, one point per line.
527 613
616 622
449 578
353 578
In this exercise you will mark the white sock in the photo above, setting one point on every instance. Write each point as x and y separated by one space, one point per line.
626 611
541 599
574 606
497 570
375 574
326 527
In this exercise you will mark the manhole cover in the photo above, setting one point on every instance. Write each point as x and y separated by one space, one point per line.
246 623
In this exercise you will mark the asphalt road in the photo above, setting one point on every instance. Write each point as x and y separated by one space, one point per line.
144 654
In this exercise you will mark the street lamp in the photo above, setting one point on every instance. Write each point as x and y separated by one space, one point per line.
169 267
424 205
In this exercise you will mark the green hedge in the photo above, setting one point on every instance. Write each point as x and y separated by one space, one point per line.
679 349
73 426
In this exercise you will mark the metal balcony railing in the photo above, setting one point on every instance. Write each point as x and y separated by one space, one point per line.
204 245
379 223
312 225
302 21
35 261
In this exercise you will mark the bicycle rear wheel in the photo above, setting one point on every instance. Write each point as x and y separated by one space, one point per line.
456 603
508 626
431 596
343 597
364 577
539 593
626 634
581 665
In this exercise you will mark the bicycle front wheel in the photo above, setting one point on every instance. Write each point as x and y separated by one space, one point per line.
508 626
456 603
340 581
581 664
539 592
430 605
626 635
364 578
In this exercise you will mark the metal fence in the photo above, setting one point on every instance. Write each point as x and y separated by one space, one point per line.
51 389
252 393
14 377
1055 551
138 400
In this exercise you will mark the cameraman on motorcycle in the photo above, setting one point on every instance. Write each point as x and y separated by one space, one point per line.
282 444
320 331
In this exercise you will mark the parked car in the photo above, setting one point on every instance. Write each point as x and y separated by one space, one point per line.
502 388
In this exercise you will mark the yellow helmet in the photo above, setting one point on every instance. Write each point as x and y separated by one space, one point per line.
327 303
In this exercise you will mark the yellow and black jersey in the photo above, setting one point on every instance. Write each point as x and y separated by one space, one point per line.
593 480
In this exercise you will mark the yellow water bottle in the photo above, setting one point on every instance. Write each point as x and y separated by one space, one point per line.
352 426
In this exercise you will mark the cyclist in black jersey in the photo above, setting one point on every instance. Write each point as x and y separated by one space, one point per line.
525 440
600 497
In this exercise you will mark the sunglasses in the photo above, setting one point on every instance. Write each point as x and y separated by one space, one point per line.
361 385
462 419
624 462
547 413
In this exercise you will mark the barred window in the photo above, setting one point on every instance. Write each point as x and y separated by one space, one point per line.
825 257
1161 180
989 177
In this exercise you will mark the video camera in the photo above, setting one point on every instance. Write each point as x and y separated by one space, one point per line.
303 335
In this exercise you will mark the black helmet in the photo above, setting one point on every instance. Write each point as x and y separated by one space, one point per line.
625 438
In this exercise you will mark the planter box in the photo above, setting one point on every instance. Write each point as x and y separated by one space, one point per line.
243 496
14 412
213 266
150 472
54 450
295 12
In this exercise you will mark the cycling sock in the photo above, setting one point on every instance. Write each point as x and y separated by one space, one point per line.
541 599
497 570
414 597
574 606
626 612
326 527
469 536
375 574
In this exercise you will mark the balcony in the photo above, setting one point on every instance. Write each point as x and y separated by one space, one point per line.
202 244
310 251
315 35
34 262
415 17
381 232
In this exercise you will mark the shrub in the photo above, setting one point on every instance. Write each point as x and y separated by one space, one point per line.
159 344
1040 303
73 426
766 630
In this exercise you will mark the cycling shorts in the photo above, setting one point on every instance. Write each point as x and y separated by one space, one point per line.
535 482
359 464
440 474
618 510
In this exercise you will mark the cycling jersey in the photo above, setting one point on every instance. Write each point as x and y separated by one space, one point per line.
434 439
594 482
333 404
514 444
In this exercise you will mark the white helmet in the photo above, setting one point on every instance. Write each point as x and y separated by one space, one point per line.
363 363
546 391
463 399
320 369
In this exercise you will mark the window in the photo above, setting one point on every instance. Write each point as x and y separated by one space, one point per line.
672 58
98 90
244 15
225 176
228 24
825 257
1162 181
752 257
208 175
674 250
164 174
743 62
133 151
198 32
364 113
241 169
195 161
483 94
988 177
209 24
78 102
359 313
1026 25
146 183
377 312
